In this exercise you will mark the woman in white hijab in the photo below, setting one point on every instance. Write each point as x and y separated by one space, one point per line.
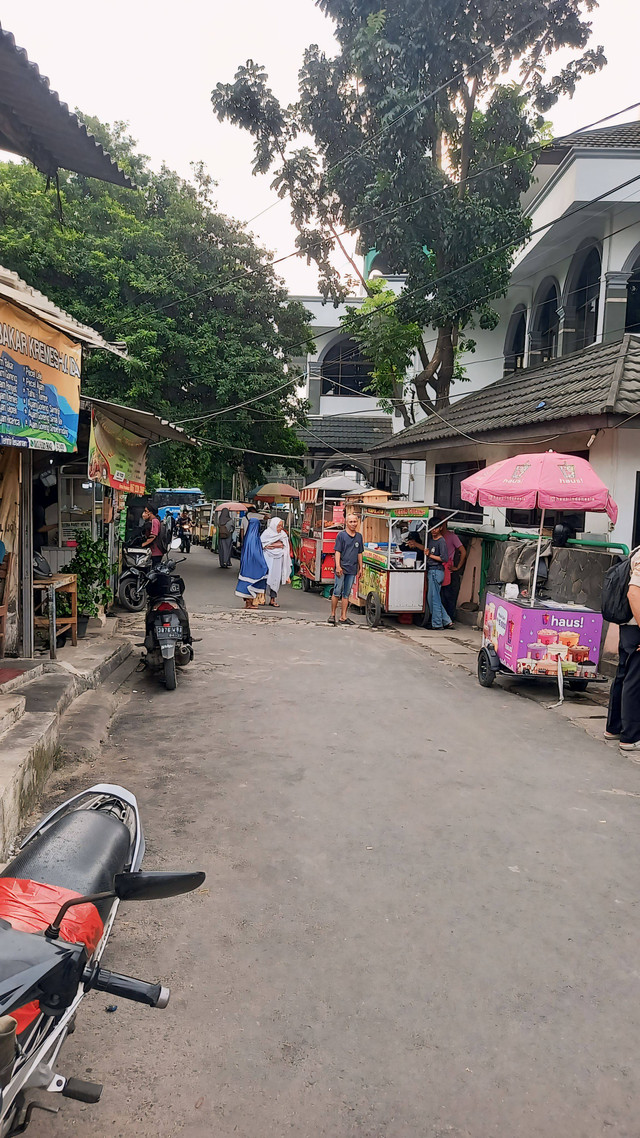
275 546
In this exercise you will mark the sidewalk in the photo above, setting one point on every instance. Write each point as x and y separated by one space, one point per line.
34 696
459 648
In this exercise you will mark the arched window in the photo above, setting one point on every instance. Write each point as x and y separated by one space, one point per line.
581 320
544 325
345 371
632 323
516 339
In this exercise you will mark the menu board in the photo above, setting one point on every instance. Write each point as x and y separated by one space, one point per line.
39 383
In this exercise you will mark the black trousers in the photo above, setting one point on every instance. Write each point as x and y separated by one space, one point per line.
624 701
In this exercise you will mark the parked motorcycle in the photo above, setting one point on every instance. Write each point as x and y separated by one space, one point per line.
167 632
58 902
131 591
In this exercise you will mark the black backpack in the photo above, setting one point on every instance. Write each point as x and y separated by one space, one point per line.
615 588
163 540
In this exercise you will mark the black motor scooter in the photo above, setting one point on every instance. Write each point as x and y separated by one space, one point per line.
58 901
167 632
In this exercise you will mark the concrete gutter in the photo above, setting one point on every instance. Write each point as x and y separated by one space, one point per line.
31 715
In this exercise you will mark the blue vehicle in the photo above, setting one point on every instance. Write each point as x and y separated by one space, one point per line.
170 501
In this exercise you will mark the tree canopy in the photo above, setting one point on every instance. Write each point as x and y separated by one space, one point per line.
423 143
205 320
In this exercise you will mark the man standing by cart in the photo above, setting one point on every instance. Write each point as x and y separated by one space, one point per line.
348 557
623 723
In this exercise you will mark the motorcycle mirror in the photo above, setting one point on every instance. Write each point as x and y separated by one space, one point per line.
143 886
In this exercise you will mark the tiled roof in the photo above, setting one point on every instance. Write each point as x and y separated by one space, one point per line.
625 134
37 125
602 379
349 432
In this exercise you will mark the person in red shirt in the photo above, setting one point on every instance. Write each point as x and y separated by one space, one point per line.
152 529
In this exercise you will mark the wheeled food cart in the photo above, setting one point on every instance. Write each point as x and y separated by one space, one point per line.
529 636
323 507
393 581
546 641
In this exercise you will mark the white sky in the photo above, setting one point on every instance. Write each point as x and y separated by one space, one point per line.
154 64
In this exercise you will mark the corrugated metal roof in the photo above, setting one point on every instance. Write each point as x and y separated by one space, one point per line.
151 426
14 289
602 379
36 124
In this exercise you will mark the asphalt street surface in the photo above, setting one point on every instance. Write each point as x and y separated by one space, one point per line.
420 917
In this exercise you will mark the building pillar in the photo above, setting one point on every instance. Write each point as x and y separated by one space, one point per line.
615 306
26 553
566 329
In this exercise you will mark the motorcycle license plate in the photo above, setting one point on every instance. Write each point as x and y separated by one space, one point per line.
172 631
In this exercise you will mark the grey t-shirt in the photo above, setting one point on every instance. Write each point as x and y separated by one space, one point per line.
349 547
438 546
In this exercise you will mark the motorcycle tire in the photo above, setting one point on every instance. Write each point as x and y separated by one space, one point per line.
170 673
130 597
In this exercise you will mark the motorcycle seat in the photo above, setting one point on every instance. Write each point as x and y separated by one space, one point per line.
81 851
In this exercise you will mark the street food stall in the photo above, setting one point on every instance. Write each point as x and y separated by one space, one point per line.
393 580
527 635
323 506
201 529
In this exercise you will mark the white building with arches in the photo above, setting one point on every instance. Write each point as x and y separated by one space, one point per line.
562 368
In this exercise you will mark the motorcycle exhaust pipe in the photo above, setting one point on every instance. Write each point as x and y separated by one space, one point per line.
8 1027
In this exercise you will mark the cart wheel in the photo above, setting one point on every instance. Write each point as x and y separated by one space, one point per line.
486 674
373 610
306 584
578 685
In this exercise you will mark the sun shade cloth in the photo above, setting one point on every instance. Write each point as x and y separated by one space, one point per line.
546 480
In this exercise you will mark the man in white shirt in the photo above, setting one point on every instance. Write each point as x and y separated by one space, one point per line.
623 722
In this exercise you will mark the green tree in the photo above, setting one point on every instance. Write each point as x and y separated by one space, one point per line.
205 320
418 133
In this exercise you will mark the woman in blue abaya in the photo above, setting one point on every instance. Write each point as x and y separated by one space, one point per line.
252 578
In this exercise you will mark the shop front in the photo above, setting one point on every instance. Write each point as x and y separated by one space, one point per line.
45 494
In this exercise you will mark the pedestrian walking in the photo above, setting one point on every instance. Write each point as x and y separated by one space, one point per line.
225 538
437 557
252 578
275 546
623 722
348 559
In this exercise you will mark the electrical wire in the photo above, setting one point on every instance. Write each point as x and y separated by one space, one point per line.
404 205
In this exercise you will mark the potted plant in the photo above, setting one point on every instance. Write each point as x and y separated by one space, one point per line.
90 563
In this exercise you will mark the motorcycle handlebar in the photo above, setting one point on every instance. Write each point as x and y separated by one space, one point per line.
127 988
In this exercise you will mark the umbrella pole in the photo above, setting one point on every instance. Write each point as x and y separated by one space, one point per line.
535 571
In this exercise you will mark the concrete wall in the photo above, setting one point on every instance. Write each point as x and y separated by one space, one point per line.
614 455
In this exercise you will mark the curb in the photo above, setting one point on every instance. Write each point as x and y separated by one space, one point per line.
29 748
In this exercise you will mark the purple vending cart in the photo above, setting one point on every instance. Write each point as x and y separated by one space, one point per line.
547 640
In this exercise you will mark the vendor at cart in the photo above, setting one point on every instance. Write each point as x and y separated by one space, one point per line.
409 536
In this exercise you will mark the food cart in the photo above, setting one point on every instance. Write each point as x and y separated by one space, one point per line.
529 636
323 505
201 514
393 581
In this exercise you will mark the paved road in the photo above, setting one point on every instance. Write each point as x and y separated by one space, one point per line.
420 917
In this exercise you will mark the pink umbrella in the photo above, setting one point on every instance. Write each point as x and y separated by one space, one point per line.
545 480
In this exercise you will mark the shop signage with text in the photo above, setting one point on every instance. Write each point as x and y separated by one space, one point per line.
117 457
39 383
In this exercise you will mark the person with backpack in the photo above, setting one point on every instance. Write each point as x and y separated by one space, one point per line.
621 604
152 541
225 538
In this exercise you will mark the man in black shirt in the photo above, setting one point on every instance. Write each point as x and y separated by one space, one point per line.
348 555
